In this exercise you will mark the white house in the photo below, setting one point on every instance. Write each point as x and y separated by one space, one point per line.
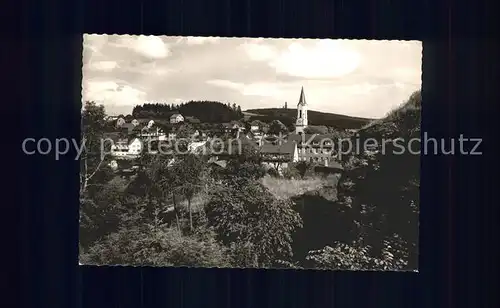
134 122
150 123
176 118
135 147
123 148
254 126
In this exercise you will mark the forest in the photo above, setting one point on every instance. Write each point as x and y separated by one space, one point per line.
195 213
205 111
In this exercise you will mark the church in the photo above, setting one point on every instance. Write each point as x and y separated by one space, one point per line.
310 147
301 122
301 146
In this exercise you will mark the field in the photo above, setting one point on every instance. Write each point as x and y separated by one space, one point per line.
288 188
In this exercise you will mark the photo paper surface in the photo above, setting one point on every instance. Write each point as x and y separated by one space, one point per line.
250 153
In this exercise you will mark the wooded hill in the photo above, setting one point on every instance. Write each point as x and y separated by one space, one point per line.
315 117
205 111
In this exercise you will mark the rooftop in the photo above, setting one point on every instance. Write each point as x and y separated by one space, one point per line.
302 99
284 148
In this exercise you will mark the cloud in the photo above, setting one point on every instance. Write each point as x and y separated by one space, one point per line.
196 40
324 59
226 84
259 52
263 89
328 59
94 42
112 93
148 46
147 68
104 66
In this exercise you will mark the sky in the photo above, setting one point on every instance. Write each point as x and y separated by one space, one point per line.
364 78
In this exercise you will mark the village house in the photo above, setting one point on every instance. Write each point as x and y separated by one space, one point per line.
255 126
134 122
126 128
279 155
151 132
126 148
313 147
109 118
176 118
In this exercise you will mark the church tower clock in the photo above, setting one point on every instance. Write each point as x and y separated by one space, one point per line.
301 123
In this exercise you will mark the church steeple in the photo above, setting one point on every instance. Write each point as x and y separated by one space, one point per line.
302 99
301 122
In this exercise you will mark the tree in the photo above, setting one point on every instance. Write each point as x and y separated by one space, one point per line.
186 130
205 111
244 167
100 211
291 172
148 184
99 199
276 127
338 134
184 137
320 129
303 166
254 223
93 170
239 112
190 169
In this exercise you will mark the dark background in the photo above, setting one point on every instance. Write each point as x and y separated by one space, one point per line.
43 76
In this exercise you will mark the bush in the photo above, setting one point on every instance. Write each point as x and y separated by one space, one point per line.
273 172
161 246
291 173
354 257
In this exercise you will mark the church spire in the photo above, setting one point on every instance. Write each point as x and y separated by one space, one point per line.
302 99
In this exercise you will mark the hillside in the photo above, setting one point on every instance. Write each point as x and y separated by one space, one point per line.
383 183
403 121
315 117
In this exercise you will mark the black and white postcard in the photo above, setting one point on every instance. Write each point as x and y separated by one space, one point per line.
250 153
